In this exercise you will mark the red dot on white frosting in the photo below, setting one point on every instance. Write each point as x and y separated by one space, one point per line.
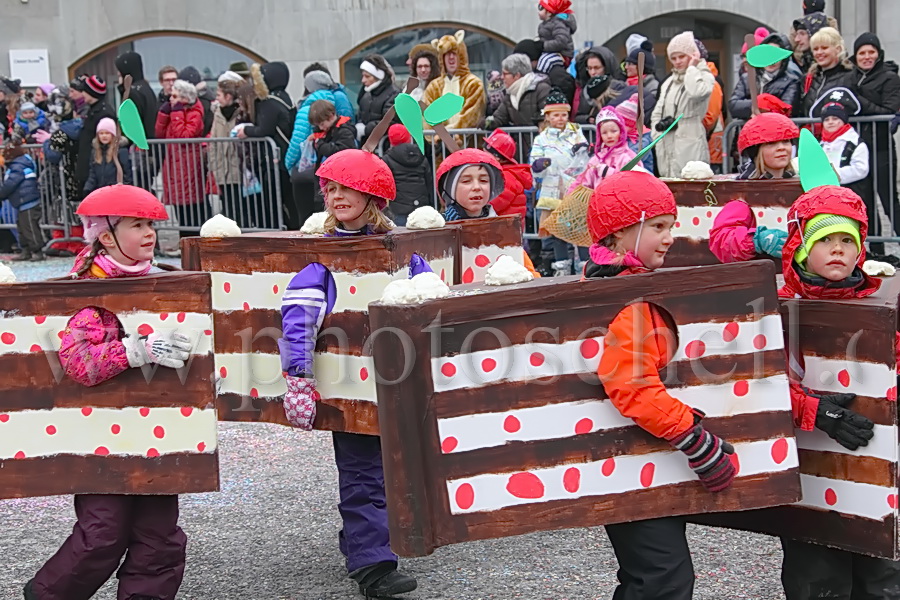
159 432
254 393
590 348
152 453
741 388
275 289
468 276
20 455
572 480
145 412
536 359
609 465
482 261
227 287
223 372
352 289
363 374
7 338
187 411
759 342
201 447
731 332
4 418
526 486
102 451
695 349
449 444
830 497
145 329
448 369
86 411
181 317
465 496
511 424
51 430
584 426
488 365
695 220
40 319
647 473
844 378
115 429
163 316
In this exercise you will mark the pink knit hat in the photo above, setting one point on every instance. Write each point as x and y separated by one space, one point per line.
759 35
683 43
628 110
108 125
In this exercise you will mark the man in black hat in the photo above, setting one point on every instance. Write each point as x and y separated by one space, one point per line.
131 63
97 108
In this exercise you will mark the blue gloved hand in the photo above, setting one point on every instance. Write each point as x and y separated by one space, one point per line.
540 164
769 241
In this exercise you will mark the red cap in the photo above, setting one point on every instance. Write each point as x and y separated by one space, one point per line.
626 198
361 171
766 128
557 6
503 143
122 201
772 103
398 134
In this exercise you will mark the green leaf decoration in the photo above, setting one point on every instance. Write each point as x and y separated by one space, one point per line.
410 114
634 161
132 126
766 55
815 168
444 109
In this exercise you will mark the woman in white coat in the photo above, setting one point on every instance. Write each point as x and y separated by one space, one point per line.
686 92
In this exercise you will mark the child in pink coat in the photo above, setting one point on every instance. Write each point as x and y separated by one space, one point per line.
611 151
118 227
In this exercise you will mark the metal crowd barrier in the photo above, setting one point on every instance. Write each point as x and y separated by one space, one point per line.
884 217
194 178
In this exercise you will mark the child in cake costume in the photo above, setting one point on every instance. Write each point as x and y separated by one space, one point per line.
766 143
357 186
630 217
118 228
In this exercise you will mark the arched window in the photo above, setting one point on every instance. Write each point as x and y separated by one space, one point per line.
486 50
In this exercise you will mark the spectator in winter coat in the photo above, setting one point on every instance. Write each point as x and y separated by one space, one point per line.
224 158
204 95
30 123
526 94
42 94
377 95
831 70
686 92
97 109
167 77
555 32
183 177
458 79
611 151
131 63
628 110
651 83
595 62
877 87
332 132
424 64
320 87
556 73
516 177
103 167
412 175
781 80
273 117
20 187
802 31
9 89
847 153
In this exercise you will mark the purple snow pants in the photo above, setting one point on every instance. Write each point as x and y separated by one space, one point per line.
143 528
364 540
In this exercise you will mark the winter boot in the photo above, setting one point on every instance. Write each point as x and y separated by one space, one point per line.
29 591
545 267
383 580
561 268
22 256
37 257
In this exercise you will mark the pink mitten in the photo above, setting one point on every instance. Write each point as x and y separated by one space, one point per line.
731 237
300 402
41 136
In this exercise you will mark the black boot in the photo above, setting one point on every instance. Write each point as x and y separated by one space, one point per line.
22 256
383 581
37 257
29 591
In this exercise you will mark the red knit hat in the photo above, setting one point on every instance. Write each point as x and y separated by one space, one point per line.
771 103
766 128
627 198
557 6
398 134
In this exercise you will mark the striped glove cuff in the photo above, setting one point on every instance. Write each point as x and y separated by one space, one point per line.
708 456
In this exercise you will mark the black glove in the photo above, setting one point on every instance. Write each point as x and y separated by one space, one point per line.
581 146
844 426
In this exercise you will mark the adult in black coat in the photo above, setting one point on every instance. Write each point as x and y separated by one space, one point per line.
412 175
377 95
274 119
204 95
781 80
877 87
131 63
831 70
524 100
595 62
557 74
97 108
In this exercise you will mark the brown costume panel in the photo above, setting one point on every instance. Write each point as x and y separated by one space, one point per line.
486 439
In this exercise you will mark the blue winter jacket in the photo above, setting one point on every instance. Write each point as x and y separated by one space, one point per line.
72 129
302 126
20 184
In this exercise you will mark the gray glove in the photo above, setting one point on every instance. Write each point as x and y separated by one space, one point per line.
167 349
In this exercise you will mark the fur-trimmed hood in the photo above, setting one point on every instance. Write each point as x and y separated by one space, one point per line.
269 78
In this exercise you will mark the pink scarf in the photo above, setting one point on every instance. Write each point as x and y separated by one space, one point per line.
602 255
114 268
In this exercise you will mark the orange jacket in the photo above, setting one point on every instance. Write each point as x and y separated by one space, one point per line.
713 121
637 346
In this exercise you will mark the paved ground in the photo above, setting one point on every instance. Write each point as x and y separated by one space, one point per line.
271 533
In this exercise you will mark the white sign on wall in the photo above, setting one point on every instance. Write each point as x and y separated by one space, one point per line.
30 66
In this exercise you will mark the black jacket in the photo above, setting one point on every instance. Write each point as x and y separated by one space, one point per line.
612 70
274 109
879 89
206 98
375 104
412 174
560 78
103 174
785 85
814 87
342 136
130 63
530 105
95 112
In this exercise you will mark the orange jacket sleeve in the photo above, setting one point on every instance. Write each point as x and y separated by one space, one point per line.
530 265
629 371
714 108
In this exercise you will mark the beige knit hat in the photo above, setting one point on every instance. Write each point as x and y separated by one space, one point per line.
684 43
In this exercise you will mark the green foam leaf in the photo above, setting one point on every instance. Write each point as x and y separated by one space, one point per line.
410 114
634 161
766 55
443 109
132 126
815 168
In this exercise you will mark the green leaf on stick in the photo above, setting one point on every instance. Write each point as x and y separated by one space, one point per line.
410 114
444 109
766 55
132 126
815 168
634 161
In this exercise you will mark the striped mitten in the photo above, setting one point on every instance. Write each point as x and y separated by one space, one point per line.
708 456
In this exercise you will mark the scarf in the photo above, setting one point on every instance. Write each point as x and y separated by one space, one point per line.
518 89
455 212
632 81
228 111
830 137
106 267
602 255
813 286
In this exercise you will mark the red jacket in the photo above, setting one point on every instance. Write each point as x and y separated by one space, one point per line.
183 177
517 179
